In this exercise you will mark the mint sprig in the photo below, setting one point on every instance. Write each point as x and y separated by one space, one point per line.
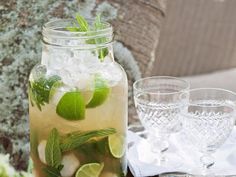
52 172
98 25
84 27
39 90
83 23
53 154
76 139
56 145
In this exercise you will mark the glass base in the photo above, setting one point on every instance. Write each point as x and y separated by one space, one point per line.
175 174
170 161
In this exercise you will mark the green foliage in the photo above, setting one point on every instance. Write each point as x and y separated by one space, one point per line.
76 139
52 172
83 26
53 152
98 25
53 155
39 90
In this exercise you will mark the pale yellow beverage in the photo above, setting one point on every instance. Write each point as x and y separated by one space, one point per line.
78 121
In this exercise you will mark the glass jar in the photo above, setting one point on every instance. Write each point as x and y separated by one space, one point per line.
78 105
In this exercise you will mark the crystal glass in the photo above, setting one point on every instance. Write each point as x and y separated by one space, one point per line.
209 117
158 104
78 104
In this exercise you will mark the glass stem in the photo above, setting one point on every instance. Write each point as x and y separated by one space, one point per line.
207 161
159 145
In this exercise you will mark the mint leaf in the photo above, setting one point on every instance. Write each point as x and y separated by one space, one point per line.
95 149
98 25
84 27
83 24
72 29
102 53
53 151
52 172
76 139
39 90
71 106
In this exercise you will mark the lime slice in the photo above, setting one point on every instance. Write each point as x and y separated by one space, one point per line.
71 106
116 145
100 94
90 170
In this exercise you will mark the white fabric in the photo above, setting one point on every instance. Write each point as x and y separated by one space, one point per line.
141 158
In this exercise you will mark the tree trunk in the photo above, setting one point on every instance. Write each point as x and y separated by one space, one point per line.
137 27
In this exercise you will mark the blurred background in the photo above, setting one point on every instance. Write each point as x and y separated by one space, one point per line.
194 39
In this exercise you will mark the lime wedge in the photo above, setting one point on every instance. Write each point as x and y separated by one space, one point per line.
90 170
100 94
71 106
116 145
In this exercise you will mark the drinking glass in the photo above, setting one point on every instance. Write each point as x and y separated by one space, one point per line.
208 120
158 104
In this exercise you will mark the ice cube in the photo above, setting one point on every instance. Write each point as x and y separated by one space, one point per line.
84 81
111 73
70 165
58 58
38 71
67 78
41 151
59 92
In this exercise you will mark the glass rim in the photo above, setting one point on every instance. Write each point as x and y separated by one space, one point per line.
51 28
182 95
161 77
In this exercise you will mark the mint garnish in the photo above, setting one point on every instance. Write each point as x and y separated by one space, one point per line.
56 145
84 27
83 23
76 139
53 152
98 25
39 90
53 172
71 106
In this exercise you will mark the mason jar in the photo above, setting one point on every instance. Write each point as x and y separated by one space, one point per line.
78 104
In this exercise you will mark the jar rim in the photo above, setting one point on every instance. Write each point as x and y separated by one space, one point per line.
55 33
57 28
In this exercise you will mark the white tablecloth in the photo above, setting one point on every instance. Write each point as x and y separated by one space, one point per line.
141 158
